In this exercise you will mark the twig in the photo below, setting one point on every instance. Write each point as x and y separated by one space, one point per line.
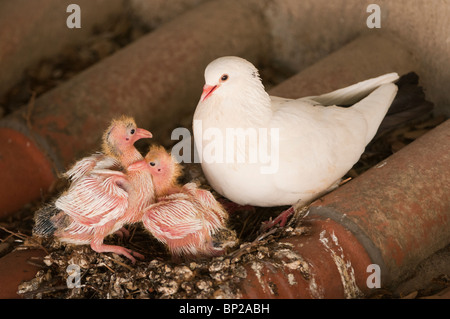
300 212
121 263
19 235
248 246
5 239
103 264
44 290
243 227
24 237
132 234
36 264
344 181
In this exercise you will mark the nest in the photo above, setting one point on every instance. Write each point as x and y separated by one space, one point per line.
112 276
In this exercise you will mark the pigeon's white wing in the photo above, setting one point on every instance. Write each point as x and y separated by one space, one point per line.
276 100
317 145
96 199
353 93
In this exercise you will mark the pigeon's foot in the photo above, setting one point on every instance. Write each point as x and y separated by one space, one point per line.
130 254
280 219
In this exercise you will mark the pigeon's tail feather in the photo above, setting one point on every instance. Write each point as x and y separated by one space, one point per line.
352 94
375 106
409 104
47 220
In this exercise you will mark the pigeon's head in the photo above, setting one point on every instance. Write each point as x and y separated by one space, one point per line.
227 76
164 168
121 135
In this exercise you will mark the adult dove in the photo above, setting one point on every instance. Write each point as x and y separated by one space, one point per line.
263 150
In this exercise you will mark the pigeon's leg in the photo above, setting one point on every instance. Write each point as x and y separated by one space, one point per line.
280 219
300 209
122 233
98 246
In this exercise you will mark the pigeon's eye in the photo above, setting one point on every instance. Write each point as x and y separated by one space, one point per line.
224 78
152 163
132 131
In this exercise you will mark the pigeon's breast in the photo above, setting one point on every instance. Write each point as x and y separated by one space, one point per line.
245 185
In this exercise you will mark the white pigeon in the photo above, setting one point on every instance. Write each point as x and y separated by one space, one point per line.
283 151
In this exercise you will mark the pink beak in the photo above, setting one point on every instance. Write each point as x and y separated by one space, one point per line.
141 133
207 91
138 166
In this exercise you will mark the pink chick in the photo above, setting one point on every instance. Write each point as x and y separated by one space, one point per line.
185 218
104 195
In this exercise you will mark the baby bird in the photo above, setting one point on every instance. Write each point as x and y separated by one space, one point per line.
105 193
289 151
185 218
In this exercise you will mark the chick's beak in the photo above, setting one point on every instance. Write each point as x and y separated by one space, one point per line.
141 133
207 91
138 166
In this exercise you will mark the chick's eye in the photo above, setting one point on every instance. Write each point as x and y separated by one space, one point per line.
152 163
224 77
132 131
